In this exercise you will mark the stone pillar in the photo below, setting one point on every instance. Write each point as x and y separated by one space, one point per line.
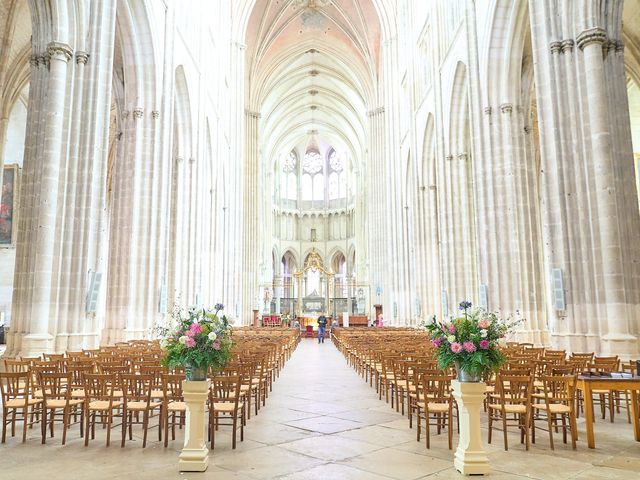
195 453
617 338
277 292
38 338
470 457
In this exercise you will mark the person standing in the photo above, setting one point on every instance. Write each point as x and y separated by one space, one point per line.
322 326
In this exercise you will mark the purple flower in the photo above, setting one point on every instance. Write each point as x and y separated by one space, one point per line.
456 347
218 307
464 305
469 347
451 328
484 344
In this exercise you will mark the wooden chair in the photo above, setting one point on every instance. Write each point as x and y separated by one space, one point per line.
511 406
558 408
174 409
137 400
15 389
100 403
435 403
56 396
224 399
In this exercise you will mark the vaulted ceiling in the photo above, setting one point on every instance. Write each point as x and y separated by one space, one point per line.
312 65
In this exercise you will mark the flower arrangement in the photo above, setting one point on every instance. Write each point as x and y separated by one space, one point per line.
470 341
198 340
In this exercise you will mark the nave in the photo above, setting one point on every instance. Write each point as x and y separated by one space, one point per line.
321 421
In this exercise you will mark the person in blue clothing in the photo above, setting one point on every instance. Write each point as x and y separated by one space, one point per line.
322 326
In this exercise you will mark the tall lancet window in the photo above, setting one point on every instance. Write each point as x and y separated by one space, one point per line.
288 183
337 177
313 172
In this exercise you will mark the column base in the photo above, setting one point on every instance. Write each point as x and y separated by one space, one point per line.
35 344
193 459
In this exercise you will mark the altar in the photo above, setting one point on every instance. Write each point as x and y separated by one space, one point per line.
312 320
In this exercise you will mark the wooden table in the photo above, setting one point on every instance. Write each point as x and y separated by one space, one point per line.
588 384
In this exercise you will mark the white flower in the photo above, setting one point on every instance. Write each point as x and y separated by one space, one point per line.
451 338
183 339
212 336
163 343
502 342
483 333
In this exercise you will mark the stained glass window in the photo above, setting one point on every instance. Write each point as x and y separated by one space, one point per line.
289 163
335 161
312 163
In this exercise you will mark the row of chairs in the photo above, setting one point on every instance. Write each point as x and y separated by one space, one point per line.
120 383
535 387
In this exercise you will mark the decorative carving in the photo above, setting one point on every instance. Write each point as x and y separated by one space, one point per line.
527 129
34 60
314 72
376 111
155 114
592 35
137 113
82 57
556 47
313 92
487 110
463 156
125 114
448 158
192 160
313 263
251 114
179 159
311 50
567 46
506 108
619 46
313 107
60 51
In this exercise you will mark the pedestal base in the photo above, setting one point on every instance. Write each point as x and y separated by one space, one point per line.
195 454
470 457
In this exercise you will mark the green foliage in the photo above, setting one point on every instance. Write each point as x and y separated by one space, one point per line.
472 340
201 338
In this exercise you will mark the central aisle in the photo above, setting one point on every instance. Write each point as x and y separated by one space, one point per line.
322 421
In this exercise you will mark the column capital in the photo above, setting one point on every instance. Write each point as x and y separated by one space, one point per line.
506 108
567 46
125 114
448 158
60 51
138 112
82 57
251 114
462 156
34 60
591 35
487 110
555 47
155 114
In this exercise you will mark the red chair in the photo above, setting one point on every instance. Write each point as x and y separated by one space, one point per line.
309 332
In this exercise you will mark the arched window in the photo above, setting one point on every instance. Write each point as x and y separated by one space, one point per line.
307 187
318 187
334 186
288 184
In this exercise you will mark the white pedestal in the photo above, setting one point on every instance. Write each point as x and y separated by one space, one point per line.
195 453
470 458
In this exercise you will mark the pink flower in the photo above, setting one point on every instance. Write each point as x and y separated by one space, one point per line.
436 342
190 343
469 347
484 323
484 344
456 347
216 345
190 333
452 329
195 328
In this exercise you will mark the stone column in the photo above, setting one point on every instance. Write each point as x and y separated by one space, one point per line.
470 457
38 338
617 338
195 453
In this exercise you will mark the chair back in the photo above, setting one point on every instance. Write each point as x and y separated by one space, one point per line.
559 389
55 386
513 389
136 388
172 387
225 389
99 387
14 366
15 386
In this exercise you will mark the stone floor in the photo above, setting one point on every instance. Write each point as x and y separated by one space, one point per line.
322 421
